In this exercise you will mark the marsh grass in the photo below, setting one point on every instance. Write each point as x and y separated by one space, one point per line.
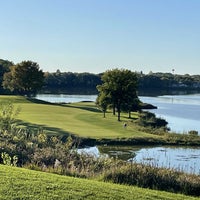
151 177
120 172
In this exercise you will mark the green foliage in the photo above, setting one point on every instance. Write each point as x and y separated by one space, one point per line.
103 102
4 67
149 119
68 82
169 82
86 82
193 132
24 78
8 160
119 87
8 114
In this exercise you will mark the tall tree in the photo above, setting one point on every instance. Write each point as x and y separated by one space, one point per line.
24 78
119 85
102 102
4 67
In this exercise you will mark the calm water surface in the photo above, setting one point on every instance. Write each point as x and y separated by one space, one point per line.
179 158
182 112
64 98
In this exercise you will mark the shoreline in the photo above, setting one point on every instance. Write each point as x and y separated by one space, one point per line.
182 140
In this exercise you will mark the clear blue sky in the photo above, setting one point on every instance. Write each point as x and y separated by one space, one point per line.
96 35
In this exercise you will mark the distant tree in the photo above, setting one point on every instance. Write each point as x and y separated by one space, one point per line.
119 86
24 78
71 82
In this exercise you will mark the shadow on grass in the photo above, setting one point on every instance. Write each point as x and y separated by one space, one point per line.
88 108
52 131
83 107
38 101
129 118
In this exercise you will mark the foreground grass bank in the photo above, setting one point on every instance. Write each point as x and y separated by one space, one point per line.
18 183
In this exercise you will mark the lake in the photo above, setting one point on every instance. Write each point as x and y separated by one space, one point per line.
182 113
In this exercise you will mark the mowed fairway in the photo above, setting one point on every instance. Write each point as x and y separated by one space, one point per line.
19 183
82 119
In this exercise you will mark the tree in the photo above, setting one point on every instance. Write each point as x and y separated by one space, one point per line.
24 78
102 102
119 86
4 67
131 105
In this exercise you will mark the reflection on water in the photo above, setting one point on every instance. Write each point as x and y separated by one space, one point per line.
179 158
184 159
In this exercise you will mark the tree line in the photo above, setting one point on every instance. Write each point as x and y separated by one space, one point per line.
69 82
86 83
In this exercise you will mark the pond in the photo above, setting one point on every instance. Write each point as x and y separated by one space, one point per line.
179 158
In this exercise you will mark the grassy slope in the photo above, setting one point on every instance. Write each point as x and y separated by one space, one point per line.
18 183
83 119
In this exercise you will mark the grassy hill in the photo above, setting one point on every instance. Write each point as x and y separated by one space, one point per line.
19 183
82 119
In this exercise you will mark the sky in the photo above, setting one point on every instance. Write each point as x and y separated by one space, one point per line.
98 35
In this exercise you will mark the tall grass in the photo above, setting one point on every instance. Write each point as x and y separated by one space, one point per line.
154 178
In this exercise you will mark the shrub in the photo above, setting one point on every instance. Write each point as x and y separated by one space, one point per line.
8 160
193 132
8 114
148 119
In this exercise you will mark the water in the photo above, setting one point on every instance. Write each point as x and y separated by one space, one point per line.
64 98
178 158
182 159
180 111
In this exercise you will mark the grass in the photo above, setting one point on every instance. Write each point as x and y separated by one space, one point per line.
82 119
19 183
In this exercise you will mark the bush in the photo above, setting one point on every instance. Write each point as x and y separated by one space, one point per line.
193 132
148 119
8 114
